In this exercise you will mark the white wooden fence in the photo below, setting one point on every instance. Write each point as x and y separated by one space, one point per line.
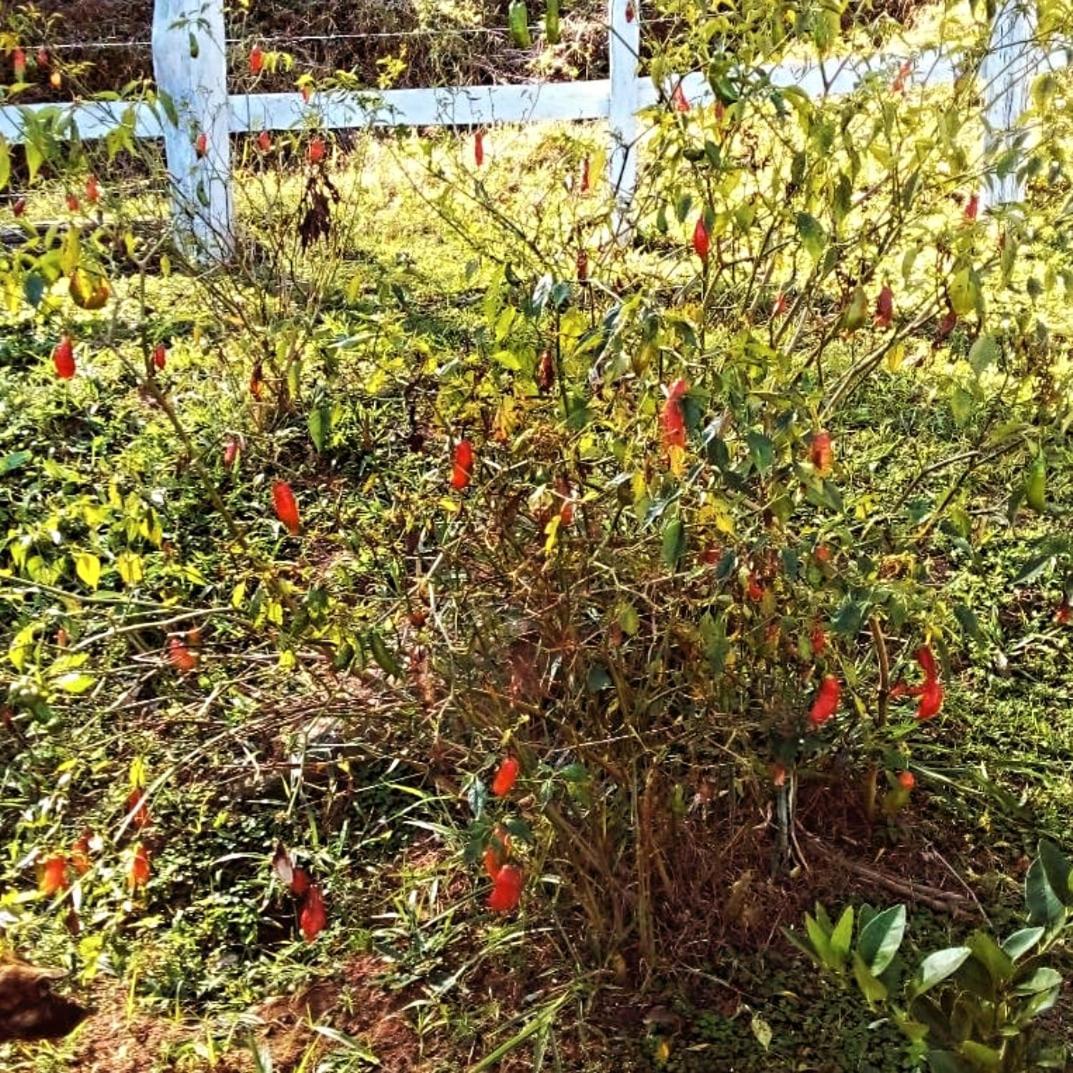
196 80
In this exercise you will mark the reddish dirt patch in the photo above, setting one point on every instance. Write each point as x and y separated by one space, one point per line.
352 1002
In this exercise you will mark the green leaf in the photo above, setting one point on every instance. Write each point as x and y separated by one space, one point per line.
855 313
842 935
384 659
761 450
1045 906
761 1030
1020 942
75 682
13 461
998 963
674 542
849 618
968 621
812 235
947 1062
935 968
320 424
821 943
1036 485
880 938
5 162
964 291
984 352
873 989
1058 870
979 1055
961 405
1043 979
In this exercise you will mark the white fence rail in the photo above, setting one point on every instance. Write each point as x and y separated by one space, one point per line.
197 84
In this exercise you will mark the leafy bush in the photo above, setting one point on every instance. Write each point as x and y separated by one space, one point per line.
968 1007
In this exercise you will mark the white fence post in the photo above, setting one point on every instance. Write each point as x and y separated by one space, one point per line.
624 44
190 65
1007 73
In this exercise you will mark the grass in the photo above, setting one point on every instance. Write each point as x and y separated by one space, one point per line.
268 743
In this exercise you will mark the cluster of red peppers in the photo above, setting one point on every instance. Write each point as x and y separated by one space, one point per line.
58 869
312 912
507 879
930 691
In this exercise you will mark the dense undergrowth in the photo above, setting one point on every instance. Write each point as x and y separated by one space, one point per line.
703 480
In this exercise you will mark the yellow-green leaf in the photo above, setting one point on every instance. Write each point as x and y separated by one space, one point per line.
88 568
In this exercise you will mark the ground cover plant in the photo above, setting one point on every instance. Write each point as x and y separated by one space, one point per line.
451 635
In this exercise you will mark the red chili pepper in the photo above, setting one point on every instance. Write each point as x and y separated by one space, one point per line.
137 809
701 242
313 917
582 266
42 57
782 304
931 699
906 780
231 450
138 874
778 775
821 452
631 11
19 207
286 506
19 64
299 881
673 417
679 101
823 553
818 640
264 141
566 511
585 175
93 192
506 776
478 148
73 204
496 852
826 702
898 85
972 207
316 150
1063 614
179 656
884 308
506 889
545 374
63 358
160 355
307 92
753 589
257 60
926 659
201 144
461 465
257 380
946 325
80 854
54 875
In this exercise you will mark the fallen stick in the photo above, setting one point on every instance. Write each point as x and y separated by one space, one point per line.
943 901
